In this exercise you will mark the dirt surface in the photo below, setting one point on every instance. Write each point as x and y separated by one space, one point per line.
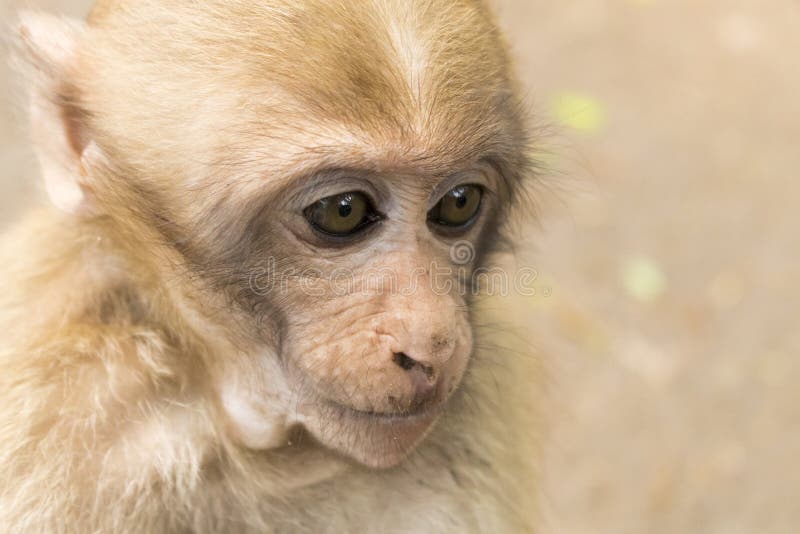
670 246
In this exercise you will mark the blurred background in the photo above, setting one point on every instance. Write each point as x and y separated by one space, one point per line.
669 244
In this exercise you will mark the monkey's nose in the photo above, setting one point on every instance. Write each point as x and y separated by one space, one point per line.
423 377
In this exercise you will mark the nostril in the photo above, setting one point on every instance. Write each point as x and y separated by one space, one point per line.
423 382
404 361
407 363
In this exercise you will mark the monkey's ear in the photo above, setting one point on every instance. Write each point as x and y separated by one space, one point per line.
47 47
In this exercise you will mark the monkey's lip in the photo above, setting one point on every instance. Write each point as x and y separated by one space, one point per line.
378 440
423 415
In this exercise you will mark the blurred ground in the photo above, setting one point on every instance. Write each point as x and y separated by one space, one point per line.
671 244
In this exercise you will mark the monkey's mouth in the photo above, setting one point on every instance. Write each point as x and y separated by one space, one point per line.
401 417
379 437
376 439
423 411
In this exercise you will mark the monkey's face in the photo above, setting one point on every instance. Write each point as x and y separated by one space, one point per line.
360 294
323 177
377 326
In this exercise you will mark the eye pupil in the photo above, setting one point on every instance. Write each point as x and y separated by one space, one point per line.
342 215
458 208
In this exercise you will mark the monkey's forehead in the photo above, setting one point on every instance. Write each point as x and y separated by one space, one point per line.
401 71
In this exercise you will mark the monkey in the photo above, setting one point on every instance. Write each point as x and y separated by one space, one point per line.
231 314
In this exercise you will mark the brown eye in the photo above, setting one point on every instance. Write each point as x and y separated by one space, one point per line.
458 207
342 215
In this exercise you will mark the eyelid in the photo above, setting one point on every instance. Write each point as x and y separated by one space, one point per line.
476 176
338 182
371 204
308 198
478 186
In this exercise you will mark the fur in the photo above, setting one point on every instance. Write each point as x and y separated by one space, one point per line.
110 419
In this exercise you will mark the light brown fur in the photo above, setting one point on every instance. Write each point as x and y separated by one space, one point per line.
126 320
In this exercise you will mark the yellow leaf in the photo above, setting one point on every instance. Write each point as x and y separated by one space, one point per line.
579 112
643 279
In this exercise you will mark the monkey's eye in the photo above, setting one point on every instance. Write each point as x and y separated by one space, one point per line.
458 207
342 215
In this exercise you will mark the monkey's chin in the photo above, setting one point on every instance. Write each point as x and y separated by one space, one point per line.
378 441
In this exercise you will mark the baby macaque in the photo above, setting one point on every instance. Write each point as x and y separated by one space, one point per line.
242 311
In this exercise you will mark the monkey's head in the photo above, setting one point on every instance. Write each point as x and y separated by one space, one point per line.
311 184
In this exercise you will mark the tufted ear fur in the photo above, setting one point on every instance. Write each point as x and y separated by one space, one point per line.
47 47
